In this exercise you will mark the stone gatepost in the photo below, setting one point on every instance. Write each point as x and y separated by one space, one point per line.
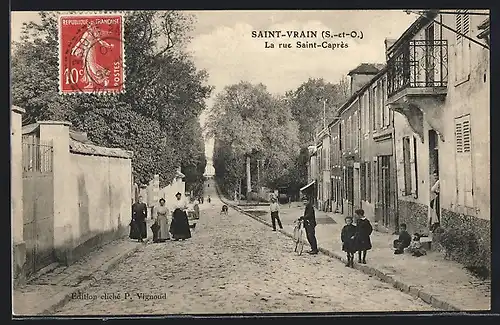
65 221
16 195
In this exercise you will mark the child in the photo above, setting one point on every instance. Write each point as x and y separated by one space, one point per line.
416 248
348 241
363 231
403 241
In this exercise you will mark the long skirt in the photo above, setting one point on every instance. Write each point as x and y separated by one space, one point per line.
179 227
163 222
138 229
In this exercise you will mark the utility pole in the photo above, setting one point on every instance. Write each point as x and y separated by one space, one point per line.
324 112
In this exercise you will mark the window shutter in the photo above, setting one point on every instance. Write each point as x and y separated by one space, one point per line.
463 148
458 46
466 45
468 189
413 172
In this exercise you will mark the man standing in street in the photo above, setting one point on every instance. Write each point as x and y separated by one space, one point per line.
310 226
275 211
139 215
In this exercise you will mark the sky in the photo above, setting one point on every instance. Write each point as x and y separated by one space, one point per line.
223 45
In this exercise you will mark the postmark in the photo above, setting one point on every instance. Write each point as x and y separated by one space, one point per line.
91 54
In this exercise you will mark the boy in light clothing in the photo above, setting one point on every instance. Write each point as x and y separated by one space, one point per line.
275 211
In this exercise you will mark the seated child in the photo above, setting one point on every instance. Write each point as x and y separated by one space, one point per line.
403 240
415 247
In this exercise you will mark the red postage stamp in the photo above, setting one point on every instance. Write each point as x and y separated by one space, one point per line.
91 54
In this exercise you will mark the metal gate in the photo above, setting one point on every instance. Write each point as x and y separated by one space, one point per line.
38 205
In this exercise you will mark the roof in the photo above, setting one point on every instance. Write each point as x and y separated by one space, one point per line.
366 68
414 28
361 90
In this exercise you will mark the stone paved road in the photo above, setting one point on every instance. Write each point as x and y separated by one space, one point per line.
234 264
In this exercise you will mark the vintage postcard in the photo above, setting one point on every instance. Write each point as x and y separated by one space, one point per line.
248 162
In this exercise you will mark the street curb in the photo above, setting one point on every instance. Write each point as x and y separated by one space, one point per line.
97 274
413 290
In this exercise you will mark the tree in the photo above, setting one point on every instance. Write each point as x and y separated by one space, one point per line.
248 123
165 93
307 106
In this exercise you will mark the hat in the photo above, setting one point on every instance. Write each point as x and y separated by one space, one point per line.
178 193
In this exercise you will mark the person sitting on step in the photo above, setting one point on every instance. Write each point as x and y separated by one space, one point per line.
403 240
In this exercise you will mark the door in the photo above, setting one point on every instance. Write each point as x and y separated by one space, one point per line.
350 191
38 206
386 192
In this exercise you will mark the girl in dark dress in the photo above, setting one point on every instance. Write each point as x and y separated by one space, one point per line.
348 241
363 231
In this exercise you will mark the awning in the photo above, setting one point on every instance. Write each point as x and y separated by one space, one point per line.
307 186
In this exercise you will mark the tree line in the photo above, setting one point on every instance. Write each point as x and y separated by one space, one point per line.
158 116
261 139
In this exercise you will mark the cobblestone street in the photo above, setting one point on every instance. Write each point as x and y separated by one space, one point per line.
234 264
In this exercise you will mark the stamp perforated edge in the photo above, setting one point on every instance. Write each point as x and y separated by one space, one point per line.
122 14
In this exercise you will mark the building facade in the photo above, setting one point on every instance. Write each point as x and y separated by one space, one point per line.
438 89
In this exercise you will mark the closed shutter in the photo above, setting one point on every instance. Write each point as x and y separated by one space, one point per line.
464 162
458 47
407 182
466 44
463 46
413 171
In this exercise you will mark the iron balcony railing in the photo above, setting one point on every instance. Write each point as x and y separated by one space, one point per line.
418 64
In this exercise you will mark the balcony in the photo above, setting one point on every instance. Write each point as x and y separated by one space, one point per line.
417 79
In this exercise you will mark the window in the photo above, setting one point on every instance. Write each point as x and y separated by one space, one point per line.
463 161
415 168
363 180
342 136
349 133
356 131
406 166
385 107
462 46
367 113
372 108
368 182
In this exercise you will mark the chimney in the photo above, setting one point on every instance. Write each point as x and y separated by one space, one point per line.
388 43
362 75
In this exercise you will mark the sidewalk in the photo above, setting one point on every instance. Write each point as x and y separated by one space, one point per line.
47 292
443 284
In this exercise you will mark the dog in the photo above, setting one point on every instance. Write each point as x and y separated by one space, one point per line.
224 210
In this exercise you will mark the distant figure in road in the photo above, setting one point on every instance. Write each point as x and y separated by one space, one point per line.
138 223
363 231
348 236
162 219
274 207
403 241
179 227
196 208
310 226
201 199
209 199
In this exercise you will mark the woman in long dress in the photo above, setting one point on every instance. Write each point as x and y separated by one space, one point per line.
162 218
179 227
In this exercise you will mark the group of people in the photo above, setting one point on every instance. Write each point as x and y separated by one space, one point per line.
168 223
356 238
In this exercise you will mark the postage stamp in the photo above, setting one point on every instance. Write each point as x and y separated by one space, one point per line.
91 54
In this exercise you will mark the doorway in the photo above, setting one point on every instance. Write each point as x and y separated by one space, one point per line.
386 197
434 163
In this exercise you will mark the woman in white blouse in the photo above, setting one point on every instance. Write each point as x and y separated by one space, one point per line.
179 227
